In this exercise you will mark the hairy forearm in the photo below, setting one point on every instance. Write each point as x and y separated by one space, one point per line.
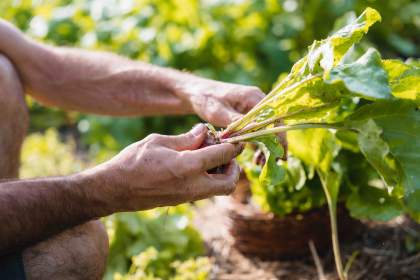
31 210
94 82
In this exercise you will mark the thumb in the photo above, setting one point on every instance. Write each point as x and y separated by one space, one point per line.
191 140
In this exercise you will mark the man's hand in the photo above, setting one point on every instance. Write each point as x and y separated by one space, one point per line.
158 171
167 170
217 102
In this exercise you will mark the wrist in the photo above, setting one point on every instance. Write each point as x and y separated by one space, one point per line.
97 192
187 87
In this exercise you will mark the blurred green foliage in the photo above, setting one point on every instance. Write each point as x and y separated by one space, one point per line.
246 41
153 243
45 154
192 269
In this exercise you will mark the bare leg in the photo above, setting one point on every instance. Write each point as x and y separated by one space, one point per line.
77 253
13 119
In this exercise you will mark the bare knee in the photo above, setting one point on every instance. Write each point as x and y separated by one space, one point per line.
7 69
11 90
14 118
78 253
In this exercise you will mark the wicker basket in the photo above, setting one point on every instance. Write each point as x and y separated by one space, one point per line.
269 237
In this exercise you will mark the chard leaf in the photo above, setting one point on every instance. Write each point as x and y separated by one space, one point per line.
348 140
413 202
315 147
365 77
404 79
304 93
271 174
377 151
350 34
399 121
372 203
318 148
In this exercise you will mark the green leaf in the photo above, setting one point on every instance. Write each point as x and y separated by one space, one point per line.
404 79
399 121
413 201
271 174
296 193
353 32
329 52
365 77
377 151
373 204
304 91
348 140
315 147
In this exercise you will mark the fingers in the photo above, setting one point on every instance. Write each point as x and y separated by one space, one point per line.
227 116
252 97
216 184
223 115
201 160
191 140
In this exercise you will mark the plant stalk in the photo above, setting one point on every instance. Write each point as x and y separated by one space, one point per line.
233 126
275 130
332 210
258 125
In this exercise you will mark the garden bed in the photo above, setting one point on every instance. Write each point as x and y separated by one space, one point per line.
381 247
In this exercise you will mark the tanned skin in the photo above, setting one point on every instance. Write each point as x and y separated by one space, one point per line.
157 171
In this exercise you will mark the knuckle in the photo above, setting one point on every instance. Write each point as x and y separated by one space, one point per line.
255 93
144 147
188 137
6 67
153 138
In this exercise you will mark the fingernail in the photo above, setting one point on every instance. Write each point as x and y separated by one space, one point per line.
197 129
239 148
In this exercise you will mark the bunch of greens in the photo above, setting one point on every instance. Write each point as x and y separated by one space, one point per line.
299 191
156 243
333 100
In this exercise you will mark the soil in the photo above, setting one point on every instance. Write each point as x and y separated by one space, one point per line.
382 252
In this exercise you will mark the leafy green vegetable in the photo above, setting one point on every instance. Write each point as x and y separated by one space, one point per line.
365 77
373 204
377 151
400 136
299 191
271 174
315 147
404 79
304 88
331 88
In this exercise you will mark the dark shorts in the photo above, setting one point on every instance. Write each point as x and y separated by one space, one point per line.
11 267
